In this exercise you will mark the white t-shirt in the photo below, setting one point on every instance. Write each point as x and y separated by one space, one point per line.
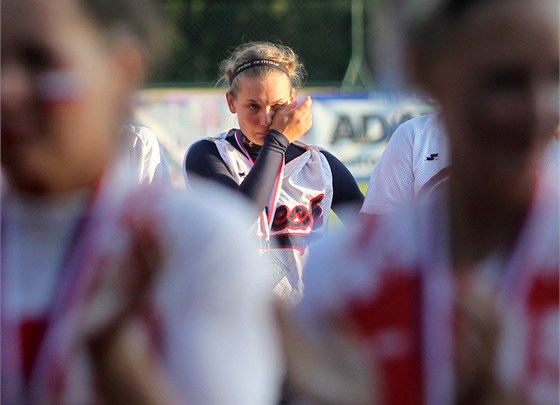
211 302
415 160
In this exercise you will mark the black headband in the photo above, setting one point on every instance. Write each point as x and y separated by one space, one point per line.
257 63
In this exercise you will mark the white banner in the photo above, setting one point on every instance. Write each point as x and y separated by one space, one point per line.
353 127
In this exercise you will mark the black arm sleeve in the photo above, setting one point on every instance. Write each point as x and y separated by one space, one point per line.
347 196
204 160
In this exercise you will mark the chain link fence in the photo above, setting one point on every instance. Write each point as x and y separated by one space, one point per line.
204 32
342 44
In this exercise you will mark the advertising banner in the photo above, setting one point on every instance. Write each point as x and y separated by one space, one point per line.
353 127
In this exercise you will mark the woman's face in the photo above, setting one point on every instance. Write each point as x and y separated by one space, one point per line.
63 92
497 80
256 101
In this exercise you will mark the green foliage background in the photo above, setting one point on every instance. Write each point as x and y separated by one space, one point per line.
203 32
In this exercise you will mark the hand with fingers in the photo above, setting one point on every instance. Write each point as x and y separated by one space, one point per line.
331 369
478 327
293 120
126 366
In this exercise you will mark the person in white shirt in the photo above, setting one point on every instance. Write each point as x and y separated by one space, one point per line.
415 160
143 148
453 299
113 292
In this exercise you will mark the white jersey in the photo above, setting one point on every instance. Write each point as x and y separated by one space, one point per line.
392 277
301 210
414 161
215 335
143 150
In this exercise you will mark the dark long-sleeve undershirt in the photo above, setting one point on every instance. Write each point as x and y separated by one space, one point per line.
204 160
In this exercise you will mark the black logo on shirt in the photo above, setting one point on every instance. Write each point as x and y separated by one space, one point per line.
433 156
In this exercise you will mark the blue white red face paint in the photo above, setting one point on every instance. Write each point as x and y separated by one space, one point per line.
59 86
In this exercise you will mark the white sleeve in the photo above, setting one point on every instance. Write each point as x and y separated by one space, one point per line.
392 182
220 340
147 155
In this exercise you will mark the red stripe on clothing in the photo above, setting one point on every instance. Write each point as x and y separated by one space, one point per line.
543 371
390 323
32 333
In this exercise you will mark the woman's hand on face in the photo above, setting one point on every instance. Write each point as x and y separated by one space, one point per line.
293 120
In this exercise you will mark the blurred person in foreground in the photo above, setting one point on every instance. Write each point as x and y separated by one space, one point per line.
455 299
112 292
291 185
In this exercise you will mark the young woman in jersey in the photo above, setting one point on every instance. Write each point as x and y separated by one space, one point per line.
292 186
456 299
112 292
